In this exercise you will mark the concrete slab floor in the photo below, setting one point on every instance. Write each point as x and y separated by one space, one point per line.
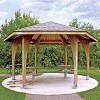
50 84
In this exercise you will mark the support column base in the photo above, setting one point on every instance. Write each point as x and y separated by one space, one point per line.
13 77
87 77
65 74
75 87
23 86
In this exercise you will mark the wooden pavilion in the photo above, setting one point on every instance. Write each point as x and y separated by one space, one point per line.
50 33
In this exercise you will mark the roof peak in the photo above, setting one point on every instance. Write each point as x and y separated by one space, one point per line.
49 26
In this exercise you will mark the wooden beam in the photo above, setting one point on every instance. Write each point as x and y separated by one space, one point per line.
51 41
32 33
54 43
47 42
25 44
85 44
74 45
15 44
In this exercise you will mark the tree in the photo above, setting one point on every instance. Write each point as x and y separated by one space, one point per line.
20 21
94 47
51 56
74 23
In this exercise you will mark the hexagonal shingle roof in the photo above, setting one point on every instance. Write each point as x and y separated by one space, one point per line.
50 28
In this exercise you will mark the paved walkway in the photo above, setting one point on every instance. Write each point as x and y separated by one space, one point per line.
7 75
53 97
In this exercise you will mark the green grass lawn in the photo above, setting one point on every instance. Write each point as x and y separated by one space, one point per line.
93 94
3 70
6 94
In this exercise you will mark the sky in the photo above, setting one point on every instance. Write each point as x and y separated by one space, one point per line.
61 11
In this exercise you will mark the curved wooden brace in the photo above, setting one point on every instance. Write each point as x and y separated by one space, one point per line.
25 44
15 44
85 44
74 46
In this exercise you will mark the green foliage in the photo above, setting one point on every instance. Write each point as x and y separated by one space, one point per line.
50 55
20 21
31 57
74 23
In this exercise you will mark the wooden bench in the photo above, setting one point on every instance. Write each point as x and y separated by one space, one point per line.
9 68
61 70
71 71
64 69
34 71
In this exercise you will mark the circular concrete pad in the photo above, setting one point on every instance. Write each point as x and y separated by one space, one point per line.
50 84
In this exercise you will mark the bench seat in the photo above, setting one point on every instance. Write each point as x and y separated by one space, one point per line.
65 71
37 74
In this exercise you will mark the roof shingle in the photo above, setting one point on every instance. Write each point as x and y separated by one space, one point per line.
48 27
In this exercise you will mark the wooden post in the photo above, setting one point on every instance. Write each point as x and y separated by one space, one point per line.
25 43
85 44
13 60
36 56
74 46
23 63
65 53
87 52
15 44
36 52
